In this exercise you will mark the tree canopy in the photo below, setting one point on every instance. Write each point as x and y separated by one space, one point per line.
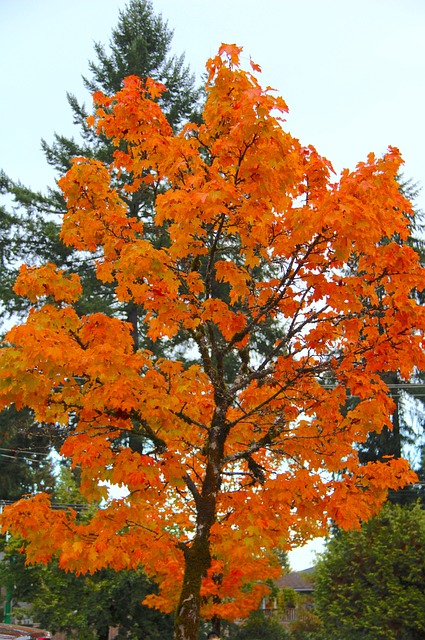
25 465
370 583
84 605
232 462
140 44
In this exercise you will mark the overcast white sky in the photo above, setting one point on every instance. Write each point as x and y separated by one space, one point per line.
352 73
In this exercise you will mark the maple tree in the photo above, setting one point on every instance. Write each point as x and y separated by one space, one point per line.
404 438
83 606
236 461
140 44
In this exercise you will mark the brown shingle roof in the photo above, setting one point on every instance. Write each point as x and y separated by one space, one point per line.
298 580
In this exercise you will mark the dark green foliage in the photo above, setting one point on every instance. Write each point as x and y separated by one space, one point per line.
370 584
91 604
24 448
261 627
8 226
81 606
84 606
139 45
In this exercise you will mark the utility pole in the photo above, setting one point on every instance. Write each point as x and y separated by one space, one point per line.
8 601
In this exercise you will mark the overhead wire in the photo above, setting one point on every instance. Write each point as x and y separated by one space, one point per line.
29 451
55 505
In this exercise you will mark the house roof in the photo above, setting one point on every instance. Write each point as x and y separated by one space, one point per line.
298 580
17 632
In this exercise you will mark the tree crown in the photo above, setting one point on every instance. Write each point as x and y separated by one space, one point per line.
236 460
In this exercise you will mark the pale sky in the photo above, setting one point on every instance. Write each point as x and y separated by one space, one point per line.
352 73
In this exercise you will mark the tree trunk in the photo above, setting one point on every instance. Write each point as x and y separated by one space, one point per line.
216 625
198 555
103 633
133 318
186 622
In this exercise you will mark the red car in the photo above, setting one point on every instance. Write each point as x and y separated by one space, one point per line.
16 632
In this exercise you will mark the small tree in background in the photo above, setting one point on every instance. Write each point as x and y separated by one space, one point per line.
231 462
370 583
260 627
86 605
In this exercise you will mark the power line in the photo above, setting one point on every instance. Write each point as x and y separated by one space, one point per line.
19 458
30 451
55 505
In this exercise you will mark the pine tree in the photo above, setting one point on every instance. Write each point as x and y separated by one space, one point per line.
140 45
401 439
25 466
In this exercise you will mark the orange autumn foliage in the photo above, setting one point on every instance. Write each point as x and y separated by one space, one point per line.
253 446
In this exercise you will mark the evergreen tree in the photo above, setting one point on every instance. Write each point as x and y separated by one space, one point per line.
139 45
370 582
408 395
25 466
